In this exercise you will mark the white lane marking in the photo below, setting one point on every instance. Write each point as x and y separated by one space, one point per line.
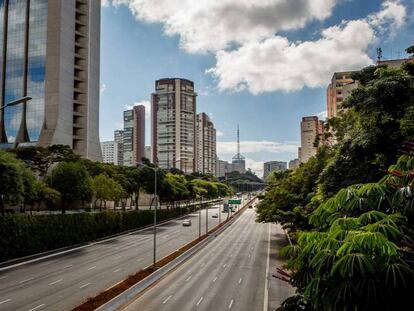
39 306
250 255
3 277
188 279
24 281
240 280
231 303
266 285
55 282
224 265
4 301
117 270
68 266
84 285
165 301
91 268
199 301
215 279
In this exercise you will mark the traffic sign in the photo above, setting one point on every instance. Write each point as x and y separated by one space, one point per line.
235 201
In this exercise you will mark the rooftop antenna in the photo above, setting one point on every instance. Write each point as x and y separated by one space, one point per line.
379 54
238 140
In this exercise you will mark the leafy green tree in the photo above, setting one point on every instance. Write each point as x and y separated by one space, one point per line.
359 257
45 195
288 198
73 182
377 121
16 181
106 189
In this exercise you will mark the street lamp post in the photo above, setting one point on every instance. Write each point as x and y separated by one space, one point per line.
16 102
199 219
206 218
155 169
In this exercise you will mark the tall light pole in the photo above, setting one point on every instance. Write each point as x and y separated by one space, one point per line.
155 169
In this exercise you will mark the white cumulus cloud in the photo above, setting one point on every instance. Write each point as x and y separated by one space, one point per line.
227 21
244 36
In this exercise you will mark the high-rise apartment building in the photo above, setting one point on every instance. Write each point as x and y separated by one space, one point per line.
134 136
223 167
205 145
338 90
174 124
272 166
50 57
109 152
310 128
294 164
119 141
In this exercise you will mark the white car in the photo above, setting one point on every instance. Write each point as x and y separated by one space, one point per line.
187 222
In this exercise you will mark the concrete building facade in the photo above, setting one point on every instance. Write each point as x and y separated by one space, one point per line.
310 128
134 136
109 152
338 90
173 107
223 167
50 53
271 166
294 164
119 141
205 145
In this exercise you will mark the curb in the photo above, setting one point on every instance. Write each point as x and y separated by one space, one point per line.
126 296
6 265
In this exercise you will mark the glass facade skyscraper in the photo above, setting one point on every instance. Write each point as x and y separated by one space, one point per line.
23 37
50 53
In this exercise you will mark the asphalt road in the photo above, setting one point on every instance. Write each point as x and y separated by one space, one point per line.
62 282
233 272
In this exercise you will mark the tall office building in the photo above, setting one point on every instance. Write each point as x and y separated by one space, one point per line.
310 129
174 124
205 145
50 53
134 136
109 152
271 166
338 90
119 141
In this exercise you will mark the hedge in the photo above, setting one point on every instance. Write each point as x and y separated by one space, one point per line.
22 235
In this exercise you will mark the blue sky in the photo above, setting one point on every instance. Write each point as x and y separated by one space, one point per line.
263 66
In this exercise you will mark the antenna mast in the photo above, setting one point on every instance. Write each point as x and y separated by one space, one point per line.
238 140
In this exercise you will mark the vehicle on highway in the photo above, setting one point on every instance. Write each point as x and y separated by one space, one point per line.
187 222
250 206
215 215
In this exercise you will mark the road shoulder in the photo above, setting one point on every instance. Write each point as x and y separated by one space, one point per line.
278 290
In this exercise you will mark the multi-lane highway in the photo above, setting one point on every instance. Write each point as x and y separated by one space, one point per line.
233 272
63 281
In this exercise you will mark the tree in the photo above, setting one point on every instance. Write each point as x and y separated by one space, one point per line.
16 181
106 189
73 182
376 122
359 256
40 159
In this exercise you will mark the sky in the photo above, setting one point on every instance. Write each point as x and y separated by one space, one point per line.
262 64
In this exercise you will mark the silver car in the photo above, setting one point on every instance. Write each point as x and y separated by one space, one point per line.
187 222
